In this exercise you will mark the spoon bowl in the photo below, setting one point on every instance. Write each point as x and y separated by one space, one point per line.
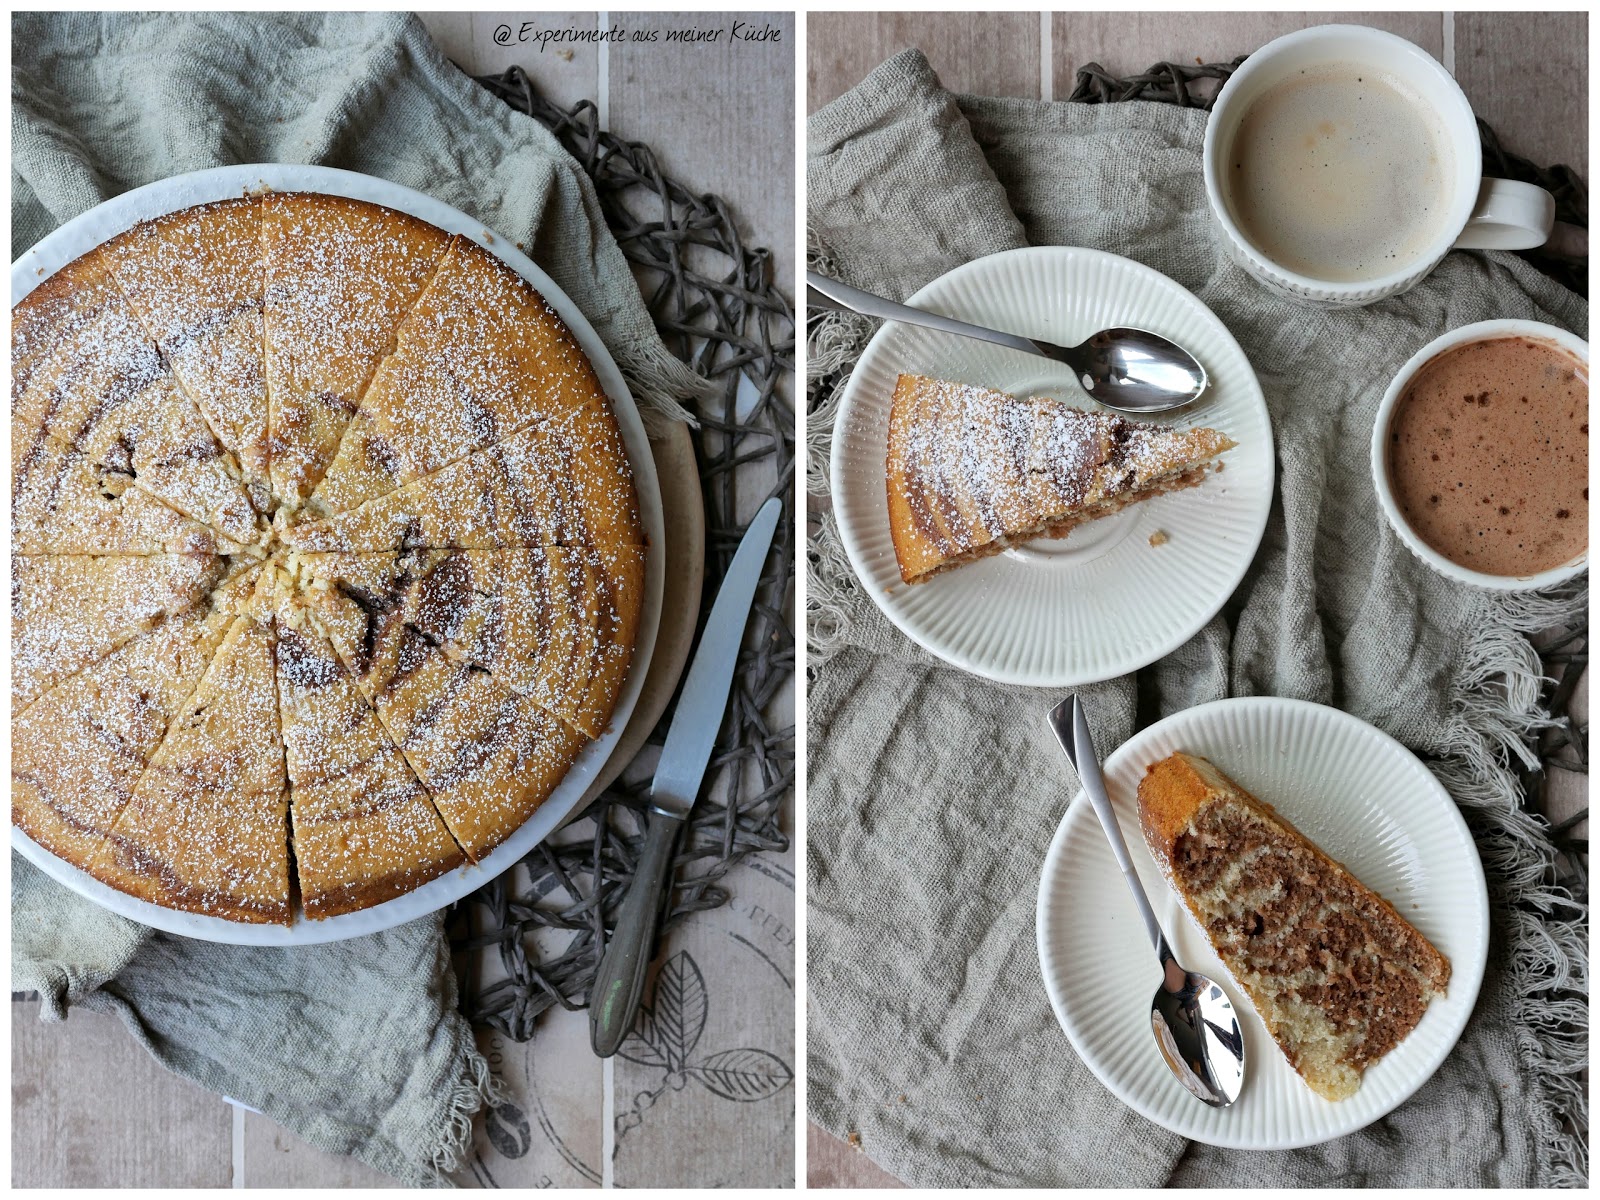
1198 1034
1192 1018
1133 370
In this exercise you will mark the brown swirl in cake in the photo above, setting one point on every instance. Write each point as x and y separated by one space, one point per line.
1337 975
971 470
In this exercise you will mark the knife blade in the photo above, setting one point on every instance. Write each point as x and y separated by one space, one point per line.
619 983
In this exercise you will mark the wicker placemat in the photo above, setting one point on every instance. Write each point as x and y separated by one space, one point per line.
717 307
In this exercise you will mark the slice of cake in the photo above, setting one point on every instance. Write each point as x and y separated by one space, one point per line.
480 357
71 610
363 827
206 826
78 751
340 278
565 483
487 756
1337 975
553 624
195 279
972 470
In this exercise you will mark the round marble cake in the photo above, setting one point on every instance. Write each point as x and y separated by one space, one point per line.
326 557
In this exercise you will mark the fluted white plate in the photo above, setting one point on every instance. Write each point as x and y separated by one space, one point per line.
1361 796
1104 601
88 230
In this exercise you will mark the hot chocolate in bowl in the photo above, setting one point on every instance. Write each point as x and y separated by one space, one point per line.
1480 454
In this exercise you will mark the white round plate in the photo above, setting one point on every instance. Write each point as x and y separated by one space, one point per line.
82 234
1104 601
1353 790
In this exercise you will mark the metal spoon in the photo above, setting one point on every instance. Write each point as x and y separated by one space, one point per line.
1130 370
1193 1020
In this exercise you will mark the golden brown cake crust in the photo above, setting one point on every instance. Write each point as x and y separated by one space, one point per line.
1337 974
970 470
195 404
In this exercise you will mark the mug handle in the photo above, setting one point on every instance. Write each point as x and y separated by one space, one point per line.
1508 216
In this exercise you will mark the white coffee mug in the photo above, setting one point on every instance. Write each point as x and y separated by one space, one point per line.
1482 214
1481 331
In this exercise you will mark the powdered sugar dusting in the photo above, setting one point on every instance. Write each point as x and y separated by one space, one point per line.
364 826
205 829
195 278
479 358
340 277
72 610
565 483
198 689
78 751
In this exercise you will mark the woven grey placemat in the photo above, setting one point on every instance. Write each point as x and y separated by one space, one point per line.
717 307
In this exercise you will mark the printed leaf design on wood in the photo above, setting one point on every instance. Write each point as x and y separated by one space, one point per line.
680 1009
744 1075
668 1031
641 1044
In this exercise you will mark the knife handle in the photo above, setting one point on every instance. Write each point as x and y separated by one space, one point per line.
619 983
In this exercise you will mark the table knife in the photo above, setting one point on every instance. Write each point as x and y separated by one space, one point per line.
619 983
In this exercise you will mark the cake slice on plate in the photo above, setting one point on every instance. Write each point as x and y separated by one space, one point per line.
972 470
1336 974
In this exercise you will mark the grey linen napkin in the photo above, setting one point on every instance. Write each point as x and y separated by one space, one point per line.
356 1046
932 794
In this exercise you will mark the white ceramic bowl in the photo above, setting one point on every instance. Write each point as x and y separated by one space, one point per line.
1477 332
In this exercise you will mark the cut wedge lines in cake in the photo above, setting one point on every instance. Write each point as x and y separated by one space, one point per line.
79 751
68 612
488 756
554 624
482 357
566 482
195 278
343 279
364 828
205 827
102 415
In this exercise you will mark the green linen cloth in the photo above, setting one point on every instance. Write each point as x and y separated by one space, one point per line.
933 794
356 1046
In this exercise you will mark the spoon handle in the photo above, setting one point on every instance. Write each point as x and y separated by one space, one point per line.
1071 726
851 299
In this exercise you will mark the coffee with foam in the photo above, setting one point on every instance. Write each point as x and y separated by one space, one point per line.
1340 173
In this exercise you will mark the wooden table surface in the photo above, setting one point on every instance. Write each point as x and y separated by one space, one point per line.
1525 73
91 1108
